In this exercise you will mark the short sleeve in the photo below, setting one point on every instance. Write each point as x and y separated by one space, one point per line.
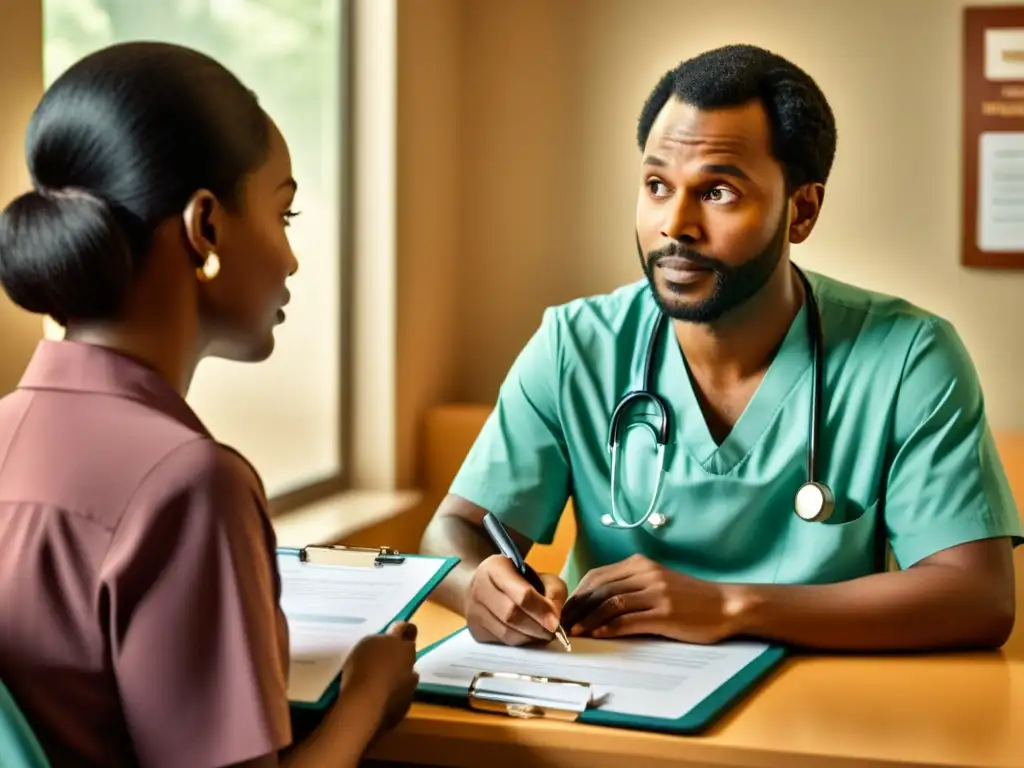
193 614
946 485
518 467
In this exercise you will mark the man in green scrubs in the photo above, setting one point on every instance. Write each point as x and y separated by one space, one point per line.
736 147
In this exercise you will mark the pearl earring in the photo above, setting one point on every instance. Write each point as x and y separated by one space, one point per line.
210 268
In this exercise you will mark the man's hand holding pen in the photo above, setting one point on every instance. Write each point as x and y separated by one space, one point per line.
502 607
510 602
634 597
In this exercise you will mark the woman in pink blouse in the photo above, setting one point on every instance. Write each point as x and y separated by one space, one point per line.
139 596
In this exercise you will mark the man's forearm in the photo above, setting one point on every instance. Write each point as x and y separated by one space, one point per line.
447 536
922 608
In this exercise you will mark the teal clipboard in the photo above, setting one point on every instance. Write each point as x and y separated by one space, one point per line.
697 720
382 557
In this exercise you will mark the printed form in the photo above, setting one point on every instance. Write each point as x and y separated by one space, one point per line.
330 608
638 676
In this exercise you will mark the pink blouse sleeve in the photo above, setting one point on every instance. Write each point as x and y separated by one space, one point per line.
198 643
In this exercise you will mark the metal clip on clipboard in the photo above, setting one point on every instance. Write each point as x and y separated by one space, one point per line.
359 557
529 696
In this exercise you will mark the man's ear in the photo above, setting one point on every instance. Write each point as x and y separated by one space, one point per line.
805 205
202 217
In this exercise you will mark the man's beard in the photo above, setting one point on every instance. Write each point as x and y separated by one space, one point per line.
734 286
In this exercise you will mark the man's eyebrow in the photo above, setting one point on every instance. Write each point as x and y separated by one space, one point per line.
725 169
289 182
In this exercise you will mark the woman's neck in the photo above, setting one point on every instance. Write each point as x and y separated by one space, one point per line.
158 346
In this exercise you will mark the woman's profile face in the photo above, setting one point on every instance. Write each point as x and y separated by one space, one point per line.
245 301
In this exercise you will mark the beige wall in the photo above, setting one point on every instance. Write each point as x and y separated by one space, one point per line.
20 86
428 196
547 161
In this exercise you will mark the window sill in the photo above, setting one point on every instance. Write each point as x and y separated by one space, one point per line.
337 517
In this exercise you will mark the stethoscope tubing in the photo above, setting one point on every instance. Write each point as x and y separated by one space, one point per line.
662 431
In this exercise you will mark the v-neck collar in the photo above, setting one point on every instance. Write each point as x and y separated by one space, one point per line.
792 362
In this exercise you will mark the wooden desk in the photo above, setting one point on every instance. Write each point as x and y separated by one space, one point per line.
824 712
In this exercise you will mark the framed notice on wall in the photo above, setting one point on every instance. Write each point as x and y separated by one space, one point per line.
993 136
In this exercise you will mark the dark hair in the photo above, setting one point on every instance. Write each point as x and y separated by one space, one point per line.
119 143
803 126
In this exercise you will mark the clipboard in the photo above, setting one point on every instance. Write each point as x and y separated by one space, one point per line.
533 697
364 557
357 557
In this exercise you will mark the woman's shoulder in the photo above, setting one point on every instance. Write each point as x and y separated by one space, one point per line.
200 498
202 469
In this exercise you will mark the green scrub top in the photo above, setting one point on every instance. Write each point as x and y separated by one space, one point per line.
905 445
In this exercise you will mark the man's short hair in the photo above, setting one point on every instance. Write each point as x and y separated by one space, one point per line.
803 127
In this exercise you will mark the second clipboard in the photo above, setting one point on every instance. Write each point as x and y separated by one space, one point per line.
530 696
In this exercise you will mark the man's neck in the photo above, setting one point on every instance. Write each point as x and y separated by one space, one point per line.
741 345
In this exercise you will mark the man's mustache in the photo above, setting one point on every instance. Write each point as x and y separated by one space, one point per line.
680 251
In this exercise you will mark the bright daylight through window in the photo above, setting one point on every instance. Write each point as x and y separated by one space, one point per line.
282 414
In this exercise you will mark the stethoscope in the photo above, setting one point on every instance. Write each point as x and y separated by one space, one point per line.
814 501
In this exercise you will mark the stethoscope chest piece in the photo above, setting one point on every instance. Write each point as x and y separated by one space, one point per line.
657 520
814 502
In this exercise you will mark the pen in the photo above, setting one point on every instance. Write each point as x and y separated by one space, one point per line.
499 535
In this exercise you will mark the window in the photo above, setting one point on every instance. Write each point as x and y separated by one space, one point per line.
283 414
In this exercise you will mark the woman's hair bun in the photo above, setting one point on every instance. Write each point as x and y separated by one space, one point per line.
118 144
64 254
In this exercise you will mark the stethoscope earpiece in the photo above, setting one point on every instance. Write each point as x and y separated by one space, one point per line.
814 502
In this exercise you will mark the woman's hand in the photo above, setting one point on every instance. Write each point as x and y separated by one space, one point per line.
379 674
